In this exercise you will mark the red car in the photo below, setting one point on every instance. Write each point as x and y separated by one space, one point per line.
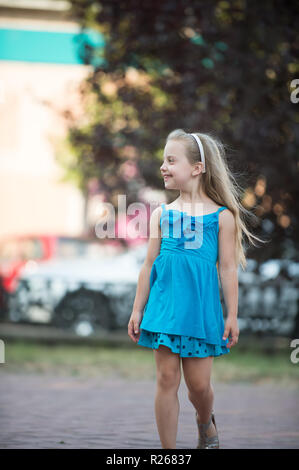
16 252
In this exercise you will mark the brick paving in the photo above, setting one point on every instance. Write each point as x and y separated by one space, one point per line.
43 411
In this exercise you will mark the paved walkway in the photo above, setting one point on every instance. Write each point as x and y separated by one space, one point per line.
42 411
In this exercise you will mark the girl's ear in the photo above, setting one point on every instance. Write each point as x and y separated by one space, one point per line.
198 167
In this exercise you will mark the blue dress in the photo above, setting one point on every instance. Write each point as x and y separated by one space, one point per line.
183 310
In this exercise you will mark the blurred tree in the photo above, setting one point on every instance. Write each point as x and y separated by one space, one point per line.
220 66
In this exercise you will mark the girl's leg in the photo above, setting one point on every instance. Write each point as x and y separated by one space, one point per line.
197 374
167 406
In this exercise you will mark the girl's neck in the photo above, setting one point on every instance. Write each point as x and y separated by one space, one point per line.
192 201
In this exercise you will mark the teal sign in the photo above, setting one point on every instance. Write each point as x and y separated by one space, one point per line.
51 47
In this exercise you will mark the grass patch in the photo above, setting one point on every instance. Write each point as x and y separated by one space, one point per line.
23 356
256 367
139 363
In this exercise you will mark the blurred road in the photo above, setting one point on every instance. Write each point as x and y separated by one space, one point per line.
43 411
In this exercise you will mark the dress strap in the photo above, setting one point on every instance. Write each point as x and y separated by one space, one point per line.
163 210
221 209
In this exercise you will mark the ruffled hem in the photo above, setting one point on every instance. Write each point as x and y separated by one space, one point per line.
185 346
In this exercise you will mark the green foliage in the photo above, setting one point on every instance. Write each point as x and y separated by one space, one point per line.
223 67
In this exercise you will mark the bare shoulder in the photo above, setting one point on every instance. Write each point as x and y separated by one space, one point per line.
156 213
227 219
155 217
172 205
154 237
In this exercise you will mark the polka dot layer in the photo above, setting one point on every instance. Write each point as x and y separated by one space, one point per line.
185 346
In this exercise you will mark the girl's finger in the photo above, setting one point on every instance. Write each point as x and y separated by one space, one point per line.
233 341
226 333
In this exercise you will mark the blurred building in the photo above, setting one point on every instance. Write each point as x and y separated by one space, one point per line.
40 74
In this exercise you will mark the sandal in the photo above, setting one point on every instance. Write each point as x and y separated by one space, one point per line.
205 442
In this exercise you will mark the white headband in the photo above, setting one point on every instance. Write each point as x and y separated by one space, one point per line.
202 154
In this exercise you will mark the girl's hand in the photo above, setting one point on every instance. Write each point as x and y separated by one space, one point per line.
231 330
133 326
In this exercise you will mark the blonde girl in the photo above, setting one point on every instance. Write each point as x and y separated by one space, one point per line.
177 310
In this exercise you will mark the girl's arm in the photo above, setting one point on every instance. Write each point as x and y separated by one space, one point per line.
143 285
228 272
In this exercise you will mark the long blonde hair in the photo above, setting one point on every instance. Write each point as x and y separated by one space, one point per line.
219 183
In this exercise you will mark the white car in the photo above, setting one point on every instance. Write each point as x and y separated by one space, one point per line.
81 293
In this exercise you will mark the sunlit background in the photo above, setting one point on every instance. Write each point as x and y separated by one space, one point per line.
88 94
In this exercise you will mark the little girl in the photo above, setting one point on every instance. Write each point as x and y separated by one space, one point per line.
178 281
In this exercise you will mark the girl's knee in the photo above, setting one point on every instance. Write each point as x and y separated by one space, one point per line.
168 368
199 388
168 379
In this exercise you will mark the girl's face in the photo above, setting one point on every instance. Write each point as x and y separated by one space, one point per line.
176 169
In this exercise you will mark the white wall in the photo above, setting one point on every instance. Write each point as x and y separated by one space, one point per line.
33 97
